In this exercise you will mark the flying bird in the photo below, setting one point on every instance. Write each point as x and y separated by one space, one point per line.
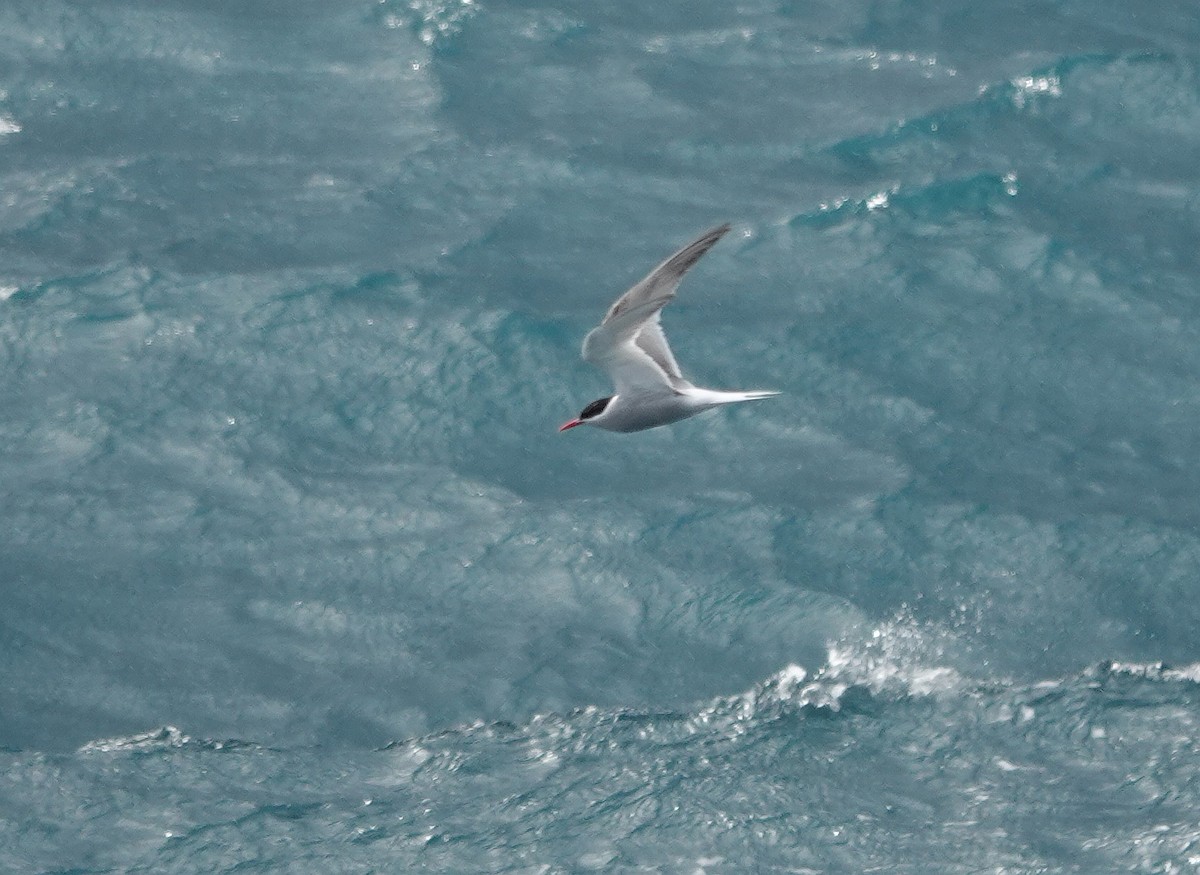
649 389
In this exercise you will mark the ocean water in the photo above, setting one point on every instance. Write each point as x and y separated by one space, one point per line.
298 575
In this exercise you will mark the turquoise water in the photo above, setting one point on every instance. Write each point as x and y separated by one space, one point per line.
298 574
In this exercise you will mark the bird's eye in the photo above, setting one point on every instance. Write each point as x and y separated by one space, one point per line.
595 408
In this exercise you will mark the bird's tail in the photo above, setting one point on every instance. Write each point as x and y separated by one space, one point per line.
715 398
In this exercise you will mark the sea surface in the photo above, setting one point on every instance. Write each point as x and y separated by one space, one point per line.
297 574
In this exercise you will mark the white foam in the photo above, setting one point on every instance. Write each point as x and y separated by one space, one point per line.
895 657
1026 88
1157 671
164 737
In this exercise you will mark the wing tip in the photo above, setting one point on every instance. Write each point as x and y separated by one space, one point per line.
712 235
679 263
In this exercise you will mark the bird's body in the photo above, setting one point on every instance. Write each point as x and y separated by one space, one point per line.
631 346
640 411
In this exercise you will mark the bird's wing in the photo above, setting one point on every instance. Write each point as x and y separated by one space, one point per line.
652 294
631 369
630 343
653 343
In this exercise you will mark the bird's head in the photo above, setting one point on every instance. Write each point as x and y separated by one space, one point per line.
589 414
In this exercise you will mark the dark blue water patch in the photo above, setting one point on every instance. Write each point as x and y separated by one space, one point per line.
1017 129
938 202
972 38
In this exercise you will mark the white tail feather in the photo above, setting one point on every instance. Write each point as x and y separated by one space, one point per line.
714 397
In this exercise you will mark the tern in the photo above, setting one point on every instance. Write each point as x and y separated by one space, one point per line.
649 389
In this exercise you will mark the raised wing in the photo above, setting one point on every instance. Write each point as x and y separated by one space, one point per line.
630 343
653 293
